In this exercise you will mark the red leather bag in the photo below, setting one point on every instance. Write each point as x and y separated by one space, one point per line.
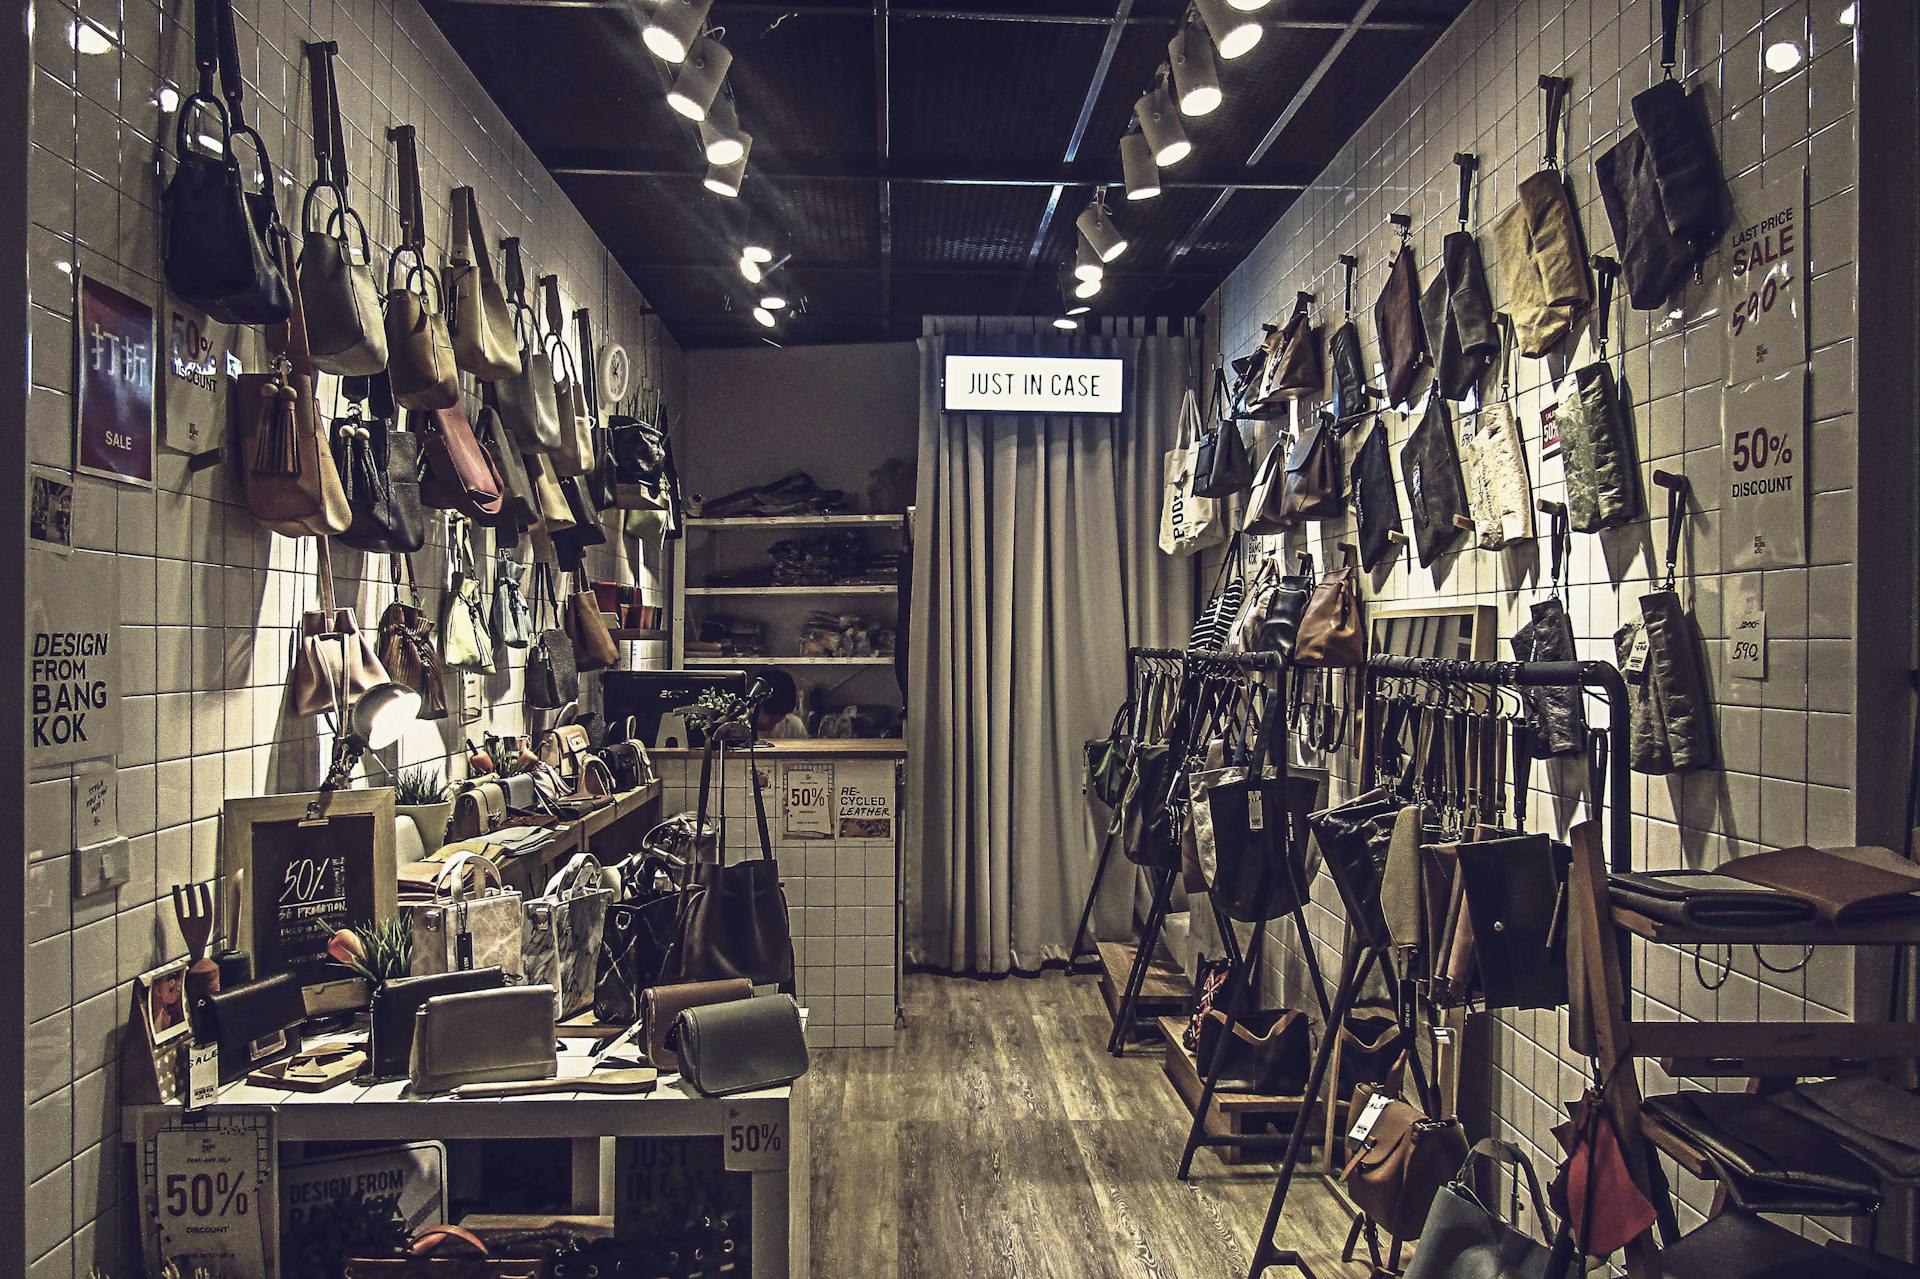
459 475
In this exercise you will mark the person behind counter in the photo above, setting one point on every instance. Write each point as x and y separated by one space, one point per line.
777 717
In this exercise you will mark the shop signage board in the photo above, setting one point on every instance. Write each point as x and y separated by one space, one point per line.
410 1178
1763 460
1762 281
807 792
865 799
197 379
73 658
113 412
1034 384
209 1191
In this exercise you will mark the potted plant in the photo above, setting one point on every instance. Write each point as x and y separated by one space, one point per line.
422 795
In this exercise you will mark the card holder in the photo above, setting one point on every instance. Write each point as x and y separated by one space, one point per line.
254 1024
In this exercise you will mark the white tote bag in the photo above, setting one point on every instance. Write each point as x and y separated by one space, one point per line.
1187 522
1493 461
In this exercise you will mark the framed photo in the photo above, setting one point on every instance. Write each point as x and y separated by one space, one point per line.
163 1001
114 376
296 878
157 1038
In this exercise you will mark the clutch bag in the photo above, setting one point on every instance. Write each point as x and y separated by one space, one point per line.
254 1024
741 1046
483 1036
396 1002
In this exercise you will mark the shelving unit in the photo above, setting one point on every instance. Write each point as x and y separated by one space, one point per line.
788 661
750 592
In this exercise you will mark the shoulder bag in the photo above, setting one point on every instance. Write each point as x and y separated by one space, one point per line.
1431 465
1187 522
556 513
481 321
457 475
1214 624
638 932
512 619
1399 328
1293 367
1493 461
407 652
733 919
1603 489
1666 672
741 1045
1394 1171
519 507
1221 465
560 941
1463 1237
1375 499
419 352
1313 489
1351 396
1257 817
464 645
342 299
574 456
552 677
1538 246
1266 512
661 1006
466 927
1332 631
593 645
1556 721
333 662
527 403
1471 342
360 455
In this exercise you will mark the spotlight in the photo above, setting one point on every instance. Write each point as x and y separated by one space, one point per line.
1248 6
1066 322
1196 77
1233 32
763 317
1101 233
1161 123
1086 263
1085 289
675 23
725 179
1136 164
774 292
758 247
750 269
87 39
1078 308
720 132
1075 292
698 83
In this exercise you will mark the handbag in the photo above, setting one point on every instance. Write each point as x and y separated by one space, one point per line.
1603 489
519 506
527 403
360 457
219 249
1493 462
1214 625
1313 489
253 1024
1464 1239
552 675
1538 245
480 320
574 454
512 618
1435 491
1221 464
1351 398
1255 818
1187 522
1470 341
483 1036
1332 631
1293 365
594 648
556 513
1653 261
1375 499
386 512
733 919
1398 1165
408 654
639 932
464 645
1266 512
1398 327
1770 1159
333 662
1516 897
398 999
420 359
464 927
661 1006
1593 1191
560 943
341 297
741 1045
639 450
585 528
1660 656
457 475
1269 1052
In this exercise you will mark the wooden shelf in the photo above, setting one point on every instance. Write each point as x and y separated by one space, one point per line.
1165 993
792 521
660 633
731 662
864 588
1903 930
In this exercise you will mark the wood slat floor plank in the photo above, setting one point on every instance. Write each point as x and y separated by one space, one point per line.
998 1140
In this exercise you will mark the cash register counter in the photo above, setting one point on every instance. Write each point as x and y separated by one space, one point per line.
835 809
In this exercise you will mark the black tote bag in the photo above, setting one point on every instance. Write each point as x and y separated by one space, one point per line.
1375 500
1435 490
1259 831
1222 466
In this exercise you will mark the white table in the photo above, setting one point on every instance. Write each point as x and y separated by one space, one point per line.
592 1121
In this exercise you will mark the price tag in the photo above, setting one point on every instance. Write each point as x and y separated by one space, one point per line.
1746 640
1256 809
207 1191
203 1075
1376 1107
1642 649
754 1144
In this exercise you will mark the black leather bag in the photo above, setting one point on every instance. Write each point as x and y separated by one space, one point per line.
1557 725
1222 466
1770 1159
1399 329
255 1024
1350 399
1353 839
1268 1053
1375 499
1516 896
741 1045
407 514
1470 341
639 450
396 1002
1654 261
1258 827
1737 1245
360 455
1679 141
638 933
1430 461
1464 1239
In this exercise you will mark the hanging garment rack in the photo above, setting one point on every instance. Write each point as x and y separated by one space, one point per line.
1366 951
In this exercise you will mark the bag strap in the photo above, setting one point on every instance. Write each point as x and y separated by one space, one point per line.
217 50
289 338
469 236
1506 1152
590 370
515 277
1503 323
325 574
1676 520
1350 266
1669 36
413 214
759 800
1555 89
1605 271
554 315
452 879
1562 545
707 754
329 135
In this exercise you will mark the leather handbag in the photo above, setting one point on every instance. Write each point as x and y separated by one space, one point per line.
1538 245
463 927
1350 398
630 764
1269 1052
360 456
1266 512
483 1036
1556 722
1679 140
556 513
480 318
1603 489
585 528
395 1002
1516 896
1254 819
1221 465
1399 328
1465 1239
1314 488
639 450
334 663
420 359
457 475
1654 261
1770 1159
1493 462
527 403
342 299
575 455
408 654
1393 1173
1470 341
552 674
219 252
1739 1245
479 809
560 941
1375 499
254 1024
519 506
639 932
465 644
1593 1191
512 616
1373 1050
1332 630
1660 655
661 1006
742 1045
1435 490
594 648
1293 367
733 919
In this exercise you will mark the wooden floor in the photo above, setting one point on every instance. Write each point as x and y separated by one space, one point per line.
998 1139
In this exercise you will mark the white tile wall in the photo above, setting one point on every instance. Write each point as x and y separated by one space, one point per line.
209 596
1789 760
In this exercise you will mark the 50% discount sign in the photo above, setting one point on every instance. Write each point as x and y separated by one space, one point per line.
1763 462
754 1141
207 1189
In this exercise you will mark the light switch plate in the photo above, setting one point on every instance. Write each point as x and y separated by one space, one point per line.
100 867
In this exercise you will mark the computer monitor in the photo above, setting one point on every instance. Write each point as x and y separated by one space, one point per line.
652 698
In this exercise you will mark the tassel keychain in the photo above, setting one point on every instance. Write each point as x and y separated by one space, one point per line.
276 452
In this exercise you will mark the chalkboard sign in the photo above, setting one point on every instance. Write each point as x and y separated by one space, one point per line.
296 880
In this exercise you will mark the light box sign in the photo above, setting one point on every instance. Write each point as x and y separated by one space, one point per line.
1034 384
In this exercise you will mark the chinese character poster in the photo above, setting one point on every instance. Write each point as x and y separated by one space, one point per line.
114 421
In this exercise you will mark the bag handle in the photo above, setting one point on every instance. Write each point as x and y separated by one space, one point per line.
413 215
1503 324
581 870
217 50
452 879
1605 270
759 801
1556 90
589 373
1350 266
1496 1150
469 237
290 338
554 316
329 135
1669 36
1677 489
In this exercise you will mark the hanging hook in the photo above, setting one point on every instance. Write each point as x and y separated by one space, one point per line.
1469 164
1404 221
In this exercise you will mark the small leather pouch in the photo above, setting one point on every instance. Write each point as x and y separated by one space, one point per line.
661 1006
483 1036
396 1002
742 1045
254 1024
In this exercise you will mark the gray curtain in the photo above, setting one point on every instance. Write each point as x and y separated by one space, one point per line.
1035 566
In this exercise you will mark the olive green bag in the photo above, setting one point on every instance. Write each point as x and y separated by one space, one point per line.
1602 481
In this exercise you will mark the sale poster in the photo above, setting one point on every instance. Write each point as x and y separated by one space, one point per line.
1763 429
865 798
807 790
113 414
1763 281
73 658
200 365
210 1193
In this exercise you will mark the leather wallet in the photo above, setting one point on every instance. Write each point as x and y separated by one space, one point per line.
254 1025
1769 1159
396 1002
1707 899
741 1045
483 1036
1875 1120
661 1006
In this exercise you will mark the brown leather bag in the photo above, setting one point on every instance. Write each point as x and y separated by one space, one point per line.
1314 488
420 361
1332 632
484 343
661 1006
458 474
409 654
593 645
1393 1174
1296 373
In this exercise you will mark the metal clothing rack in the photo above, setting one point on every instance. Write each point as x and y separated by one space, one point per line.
1364 951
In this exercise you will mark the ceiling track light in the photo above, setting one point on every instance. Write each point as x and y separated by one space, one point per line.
1086 260
764 318
1075 292
720 132
1137 167
1234 32
1086 290
776 290
1196 76
725 179
671 31
1066 322
1160 121
698 83
1097 225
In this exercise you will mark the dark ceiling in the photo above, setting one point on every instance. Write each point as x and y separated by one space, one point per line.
929 160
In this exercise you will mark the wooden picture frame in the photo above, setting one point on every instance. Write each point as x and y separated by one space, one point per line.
157 1035
338 867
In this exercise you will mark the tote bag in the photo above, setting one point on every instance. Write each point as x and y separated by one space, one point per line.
1431 464
1494 461
1375 499
1187 522
560 940
464 928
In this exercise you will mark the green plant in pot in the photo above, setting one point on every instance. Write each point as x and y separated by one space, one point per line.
421 794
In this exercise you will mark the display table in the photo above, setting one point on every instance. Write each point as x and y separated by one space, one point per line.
762 1133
